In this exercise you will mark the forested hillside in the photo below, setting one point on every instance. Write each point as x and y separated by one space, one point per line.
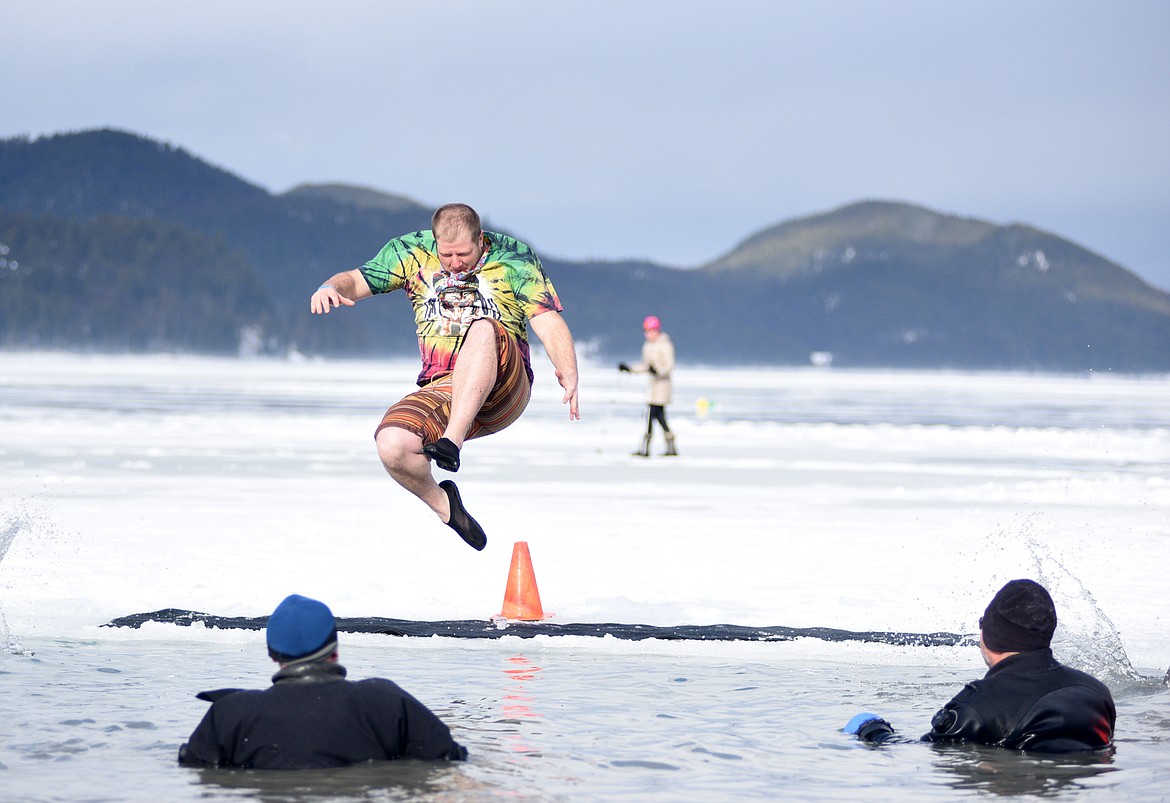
112 241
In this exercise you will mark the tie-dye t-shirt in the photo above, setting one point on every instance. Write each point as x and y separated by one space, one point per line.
508 285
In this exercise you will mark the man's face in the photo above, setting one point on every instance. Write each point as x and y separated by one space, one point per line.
983 651
459 254
652 334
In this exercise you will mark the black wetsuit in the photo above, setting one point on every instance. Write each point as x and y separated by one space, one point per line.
1029 701
313 717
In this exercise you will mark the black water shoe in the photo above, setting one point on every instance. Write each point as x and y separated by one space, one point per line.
459 521
444 453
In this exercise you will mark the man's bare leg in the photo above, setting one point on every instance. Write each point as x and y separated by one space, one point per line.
401 453
473 379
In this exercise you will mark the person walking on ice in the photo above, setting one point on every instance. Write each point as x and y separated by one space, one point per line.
474 293
658 361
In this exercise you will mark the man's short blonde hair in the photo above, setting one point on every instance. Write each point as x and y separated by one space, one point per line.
452 220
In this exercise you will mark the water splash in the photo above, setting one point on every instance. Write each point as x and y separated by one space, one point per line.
1085 637
10 526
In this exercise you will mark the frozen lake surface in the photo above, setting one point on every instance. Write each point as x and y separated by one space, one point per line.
864 501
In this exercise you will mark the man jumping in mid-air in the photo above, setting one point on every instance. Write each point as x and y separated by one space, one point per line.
473 293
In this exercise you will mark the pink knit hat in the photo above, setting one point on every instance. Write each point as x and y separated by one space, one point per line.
651 322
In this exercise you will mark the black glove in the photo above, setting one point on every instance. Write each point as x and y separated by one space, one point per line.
625 369
875 731
652 371
869 728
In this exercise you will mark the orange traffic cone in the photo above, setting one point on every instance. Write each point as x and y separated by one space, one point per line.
521 598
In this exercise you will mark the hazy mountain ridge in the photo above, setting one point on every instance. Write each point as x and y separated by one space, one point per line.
883 231
819 242
358 197
876 283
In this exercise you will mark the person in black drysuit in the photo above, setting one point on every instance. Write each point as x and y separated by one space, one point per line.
1027 700
311 716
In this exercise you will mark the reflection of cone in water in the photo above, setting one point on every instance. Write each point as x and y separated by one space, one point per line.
521 598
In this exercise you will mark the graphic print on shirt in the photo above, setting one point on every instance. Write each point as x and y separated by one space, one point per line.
456 302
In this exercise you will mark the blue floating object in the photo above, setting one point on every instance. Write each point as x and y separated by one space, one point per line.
855 724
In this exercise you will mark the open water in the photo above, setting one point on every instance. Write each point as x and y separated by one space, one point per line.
865 501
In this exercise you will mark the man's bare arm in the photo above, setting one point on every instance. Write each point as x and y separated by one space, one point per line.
554 334
346 288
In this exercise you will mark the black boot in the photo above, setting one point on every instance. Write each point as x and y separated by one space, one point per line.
645 450
670 450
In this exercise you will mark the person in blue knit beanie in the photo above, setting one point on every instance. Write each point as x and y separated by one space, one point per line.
311 716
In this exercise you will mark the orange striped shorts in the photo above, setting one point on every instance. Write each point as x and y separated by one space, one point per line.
427 411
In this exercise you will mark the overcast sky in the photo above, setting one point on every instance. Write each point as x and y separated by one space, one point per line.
668 130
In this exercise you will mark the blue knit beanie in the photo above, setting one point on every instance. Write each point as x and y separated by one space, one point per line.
301 629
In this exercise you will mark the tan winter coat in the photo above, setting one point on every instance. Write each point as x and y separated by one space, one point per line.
660 354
